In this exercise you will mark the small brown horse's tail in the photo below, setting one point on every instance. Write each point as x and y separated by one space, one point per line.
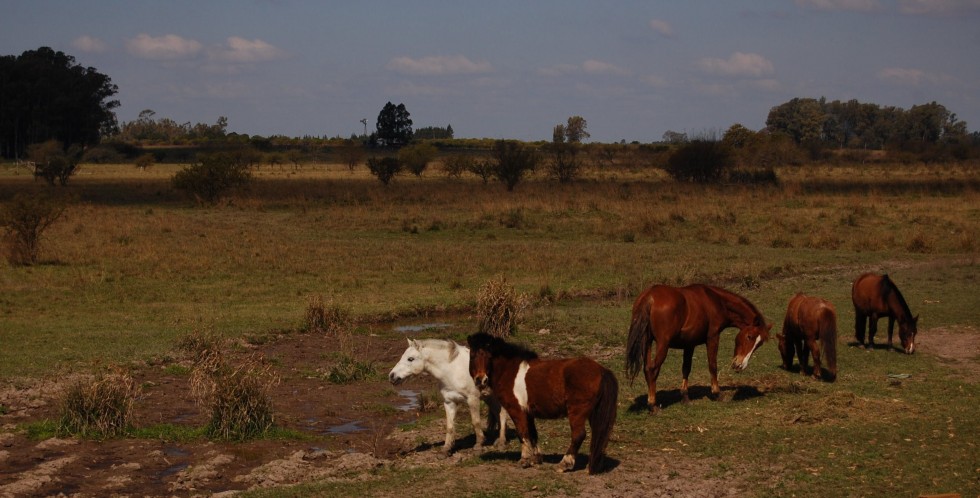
638 341
828 338
602 419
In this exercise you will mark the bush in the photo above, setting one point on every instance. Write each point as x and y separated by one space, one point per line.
700 161
24 219
333 319
385 168
417 157
145 161
513 161
499 307
102 407
53 162
212 177
456 164
235 396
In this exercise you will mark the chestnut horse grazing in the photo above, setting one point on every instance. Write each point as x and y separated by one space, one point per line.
685 317
876 296
528 387
808 320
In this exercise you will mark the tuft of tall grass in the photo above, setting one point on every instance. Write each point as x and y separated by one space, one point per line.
500 307
101 407
236 396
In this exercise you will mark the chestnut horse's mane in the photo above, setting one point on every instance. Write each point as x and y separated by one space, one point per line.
729 296
500 347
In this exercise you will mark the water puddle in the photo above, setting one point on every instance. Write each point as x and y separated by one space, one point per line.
348 428
411 403
173 452
422 327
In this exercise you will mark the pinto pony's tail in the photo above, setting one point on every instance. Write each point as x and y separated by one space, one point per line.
602 419
828 340
638 341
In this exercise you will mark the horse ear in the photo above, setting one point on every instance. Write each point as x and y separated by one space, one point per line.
915 319
412 343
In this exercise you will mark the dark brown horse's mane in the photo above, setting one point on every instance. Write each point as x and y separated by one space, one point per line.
499 347
888 286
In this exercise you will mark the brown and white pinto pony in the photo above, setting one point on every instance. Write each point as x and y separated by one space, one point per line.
529 387
808 320
686 317
876 296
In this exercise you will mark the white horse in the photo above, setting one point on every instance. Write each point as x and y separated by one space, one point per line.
449 362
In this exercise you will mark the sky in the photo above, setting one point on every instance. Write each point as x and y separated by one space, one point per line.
509 69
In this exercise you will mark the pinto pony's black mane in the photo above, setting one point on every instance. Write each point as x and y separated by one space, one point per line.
499 347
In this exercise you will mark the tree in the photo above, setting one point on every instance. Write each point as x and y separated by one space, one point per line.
575 130
801 119
394 126
674 137
513 161
44 96
417 157
564 154
385 168
351 153
52 162
700 161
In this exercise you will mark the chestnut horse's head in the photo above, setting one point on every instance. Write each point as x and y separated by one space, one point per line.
749 338
906 333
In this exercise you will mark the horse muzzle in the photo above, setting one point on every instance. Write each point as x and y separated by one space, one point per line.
482 382
395 380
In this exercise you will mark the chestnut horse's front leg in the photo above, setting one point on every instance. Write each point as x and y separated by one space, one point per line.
686 372
891 329
712 345
813 347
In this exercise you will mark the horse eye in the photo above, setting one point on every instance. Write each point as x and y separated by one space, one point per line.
411 358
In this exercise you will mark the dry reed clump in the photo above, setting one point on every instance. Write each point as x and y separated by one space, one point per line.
331 319
236 396
99 407
500 307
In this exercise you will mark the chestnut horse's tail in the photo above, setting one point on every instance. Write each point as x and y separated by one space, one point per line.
828 338
638 341
602 419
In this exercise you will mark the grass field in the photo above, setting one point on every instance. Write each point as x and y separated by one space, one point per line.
134 265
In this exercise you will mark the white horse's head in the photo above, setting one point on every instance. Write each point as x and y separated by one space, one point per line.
411 363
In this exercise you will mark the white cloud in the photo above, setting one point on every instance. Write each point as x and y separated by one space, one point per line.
662 27
167 47
738 64
87 43
438 65
239 49
937 7
852 5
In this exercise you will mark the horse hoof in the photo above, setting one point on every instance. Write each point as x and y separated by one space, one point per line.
525 463
655 409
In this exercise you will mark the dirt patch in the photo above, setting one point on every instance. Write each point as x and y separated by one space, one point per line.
957 346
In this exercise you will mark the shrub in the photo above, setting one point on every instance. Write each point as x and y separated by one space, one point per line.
513 161
145 161
332 319
417 157
349 369
455 165
102 407
212 177
24 219
235 396
53 162
499 307
385 168
700 161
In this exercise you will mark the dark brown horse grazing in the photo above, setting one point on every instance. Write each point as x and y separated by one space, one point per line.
529 387
876 296
808 320
685 317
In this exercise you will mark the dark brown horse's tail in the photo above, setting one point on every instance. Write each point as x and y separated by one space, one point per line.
638 341
828 338
602 419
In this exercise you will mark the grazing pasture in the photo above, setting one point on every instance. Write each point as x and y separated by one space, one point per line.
134 268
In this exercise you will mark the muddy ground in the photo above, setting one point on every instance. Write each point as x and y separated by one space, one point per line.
356 428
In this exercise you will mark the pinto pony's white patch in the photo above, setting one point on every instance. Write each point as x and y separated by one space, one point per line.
520 385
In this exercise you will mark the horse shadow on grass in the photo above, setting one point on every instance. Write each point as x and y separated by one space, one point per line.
883 346
670 397
464 443
581 460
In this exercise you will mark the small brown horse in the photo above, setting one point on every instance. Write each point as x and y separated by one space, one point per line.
876 296
685 317
528 387
809 319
